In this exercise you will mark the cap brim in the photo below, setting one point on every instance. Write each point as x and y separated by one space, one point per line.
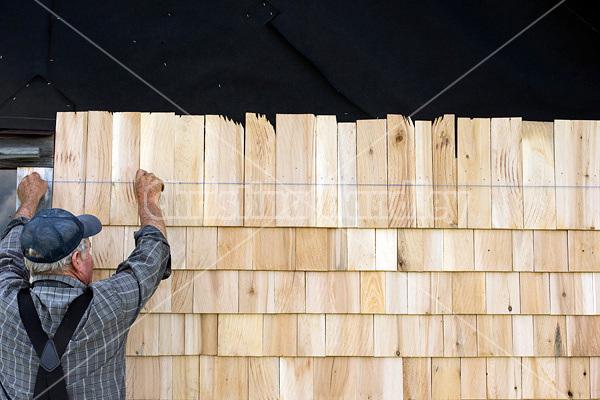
91 225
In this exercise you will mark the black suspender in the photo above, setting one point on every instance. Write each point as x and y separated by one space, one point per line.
49 384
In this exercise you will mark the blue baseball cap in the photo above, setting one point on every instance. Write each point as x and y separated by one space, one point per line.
55 233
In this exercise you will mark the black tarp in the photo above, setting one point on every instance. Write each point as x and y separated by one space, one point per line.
353 59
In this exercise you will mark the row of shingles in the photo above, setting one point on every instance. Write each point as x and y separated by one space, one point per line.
364 335
210 377
330 249
375 173
435 293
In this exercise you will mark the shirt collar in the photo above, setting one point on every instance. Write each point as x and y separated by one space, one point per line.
69 280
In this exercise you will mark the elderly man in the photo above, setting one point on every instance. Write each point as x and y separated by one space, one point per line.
61 335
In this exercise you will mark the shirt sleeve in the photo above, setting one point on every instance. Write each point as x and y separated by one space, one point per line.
139 275
12 262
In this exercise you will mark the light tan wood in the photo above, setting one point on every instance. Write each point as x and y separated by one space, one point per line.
263 378
280 335
216 292
473 378
295 163
240 335
223 377
408 336
572 293
201 248
584 250
98 165
504 378
396 293
550 251
535 293
125 162
336 378
223 172
326 171
474 174
200 334
157 155
522 250
107 247
410 249
523 340
576 171
295 377
161 299
507 173
143 336
539 193
445 202
401 176
424 174
494 336
188 171
311 249
429 293
182 291
259 172
468 293
361 249
337 249
186 378
372 292
332 292
460 336
371 170
178 243
550 336
539 378
256 291
445 378
502 293
290 292
311 335
595 376
582 338
493 250
379 378
417 378
70 145
347 179
274 248
458 250
141 373
171 326
349 335
234 248
573 377
386 249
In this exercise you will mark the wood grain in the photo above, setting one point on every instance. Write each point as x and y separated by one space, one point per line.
402 199
371 170
259 172
295 163
223 172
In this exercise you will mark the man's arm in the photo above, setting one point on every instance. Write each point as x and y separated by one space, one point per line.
31 189
147 191
140 274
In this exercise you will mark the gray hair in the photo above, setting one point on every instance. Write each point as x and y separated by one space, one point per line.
59 266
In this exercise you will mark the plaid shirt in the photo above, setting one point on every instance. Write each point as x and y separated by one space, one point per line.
94 361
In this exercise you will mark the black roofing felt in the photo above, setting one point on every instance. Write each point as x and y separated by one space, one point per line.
354 59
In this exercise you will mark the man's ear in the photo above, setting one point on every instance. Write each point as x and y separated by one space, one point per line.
75 260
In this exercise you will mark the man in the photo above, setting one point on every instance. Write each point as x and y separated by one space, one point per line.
56 247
